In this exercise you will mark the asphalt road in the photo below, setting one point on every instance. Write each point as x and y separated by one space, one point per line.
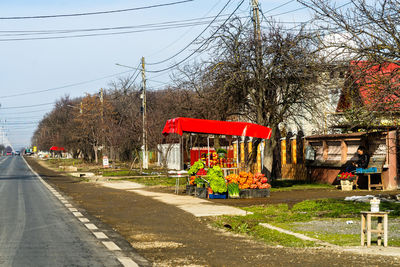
36 229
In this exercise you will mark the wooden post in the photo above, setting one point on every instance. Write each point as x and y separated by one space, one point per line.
379 228
283 151
385 230
362 230
343 150
368 230
325 150
294 151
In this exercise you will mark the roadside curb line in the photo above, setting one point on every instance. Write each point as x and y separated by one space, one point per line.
300 236
110 245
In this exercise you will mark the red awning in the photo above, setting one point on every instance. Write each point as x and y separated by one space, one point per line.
57 148
181 125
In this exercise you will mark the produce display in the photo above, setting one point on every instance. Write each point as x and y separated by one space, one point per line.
248 180
216 180
217 159
233 190
233 183
198 165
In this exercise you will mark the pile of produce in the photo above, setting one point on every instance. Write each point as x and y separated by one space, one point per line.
260 182
257 181
233 185
197 168
191 180
245 180
216 180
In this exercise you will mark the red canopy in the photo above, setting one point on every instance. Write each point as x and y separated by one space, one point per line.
57 148
180 125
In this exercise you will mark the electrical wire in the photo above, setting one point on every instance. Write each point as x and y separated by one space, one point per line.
64 86
194 40
29 106
186 32
25 112
93 13
197 49
144 27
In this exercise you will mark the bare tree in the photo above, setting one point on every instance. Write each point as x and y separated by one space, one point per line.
266 83
371 26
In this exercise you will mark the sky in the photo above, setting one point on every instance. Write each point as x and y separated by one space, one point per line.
76 66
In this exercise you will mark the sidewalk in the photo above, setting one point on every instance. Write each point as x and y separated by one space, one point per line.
197 206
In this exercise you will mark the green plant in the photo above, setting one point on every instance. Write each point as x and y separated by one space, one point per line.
216 180
199 182
233 190
196 167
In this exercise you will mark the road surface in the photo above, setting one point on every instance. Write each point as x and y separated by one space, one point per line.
36 229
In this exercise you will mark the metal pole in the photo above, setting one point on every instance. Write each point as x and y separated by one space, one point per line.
144 156
208 150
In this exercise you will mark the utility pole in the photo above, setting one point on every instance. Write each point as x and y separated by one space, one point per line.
257 33
145 160
103 138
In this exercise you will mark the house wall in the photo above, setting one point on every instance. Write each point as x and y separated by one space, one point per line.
333 151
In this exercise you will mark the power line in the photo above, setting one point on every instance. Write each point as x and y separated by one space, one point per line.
194 40
29 106
25 112
282 5
144 27
93 13
206 41
64 86
187 31
91 35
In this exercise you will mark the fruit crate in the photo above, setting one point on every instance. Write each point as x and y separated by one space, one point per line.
217 196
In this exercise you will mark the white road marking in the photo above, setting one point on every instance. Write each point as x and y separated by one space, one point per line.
72 209
127 262
100 235
110 245
83 219
91 226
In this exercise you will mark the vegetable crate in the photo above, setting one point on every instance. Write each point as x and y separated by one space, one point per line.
190 190
217 196
254 193
201 192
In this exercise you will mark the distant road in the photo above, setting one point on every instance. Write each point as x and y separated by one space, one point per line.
36 229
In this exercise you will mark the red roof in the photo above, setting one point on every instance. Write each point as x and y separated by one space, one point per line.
378 85
57 148
181 125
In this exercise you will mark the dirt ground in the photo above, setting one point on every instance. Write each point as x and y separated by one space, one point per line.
168 236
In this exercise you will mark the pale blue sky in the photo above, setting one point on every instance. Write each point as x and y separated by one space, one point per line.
33 65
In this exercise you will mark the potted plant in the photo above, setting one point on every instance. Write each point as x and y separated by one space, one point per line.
346 180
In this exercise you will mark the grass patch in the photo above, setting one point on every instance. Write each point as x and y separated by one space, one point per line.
120 173
158 180
331 208
249 225
288 185
282 216
65 162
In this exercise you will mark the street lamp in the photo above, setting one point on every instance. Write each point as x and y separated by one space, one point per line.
80 109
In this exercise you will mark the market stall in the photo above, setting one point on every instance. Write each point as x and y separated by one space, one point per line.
217 177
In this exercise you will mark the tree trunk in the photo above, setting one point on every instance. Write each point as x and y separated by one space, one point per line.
269 148
96 159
